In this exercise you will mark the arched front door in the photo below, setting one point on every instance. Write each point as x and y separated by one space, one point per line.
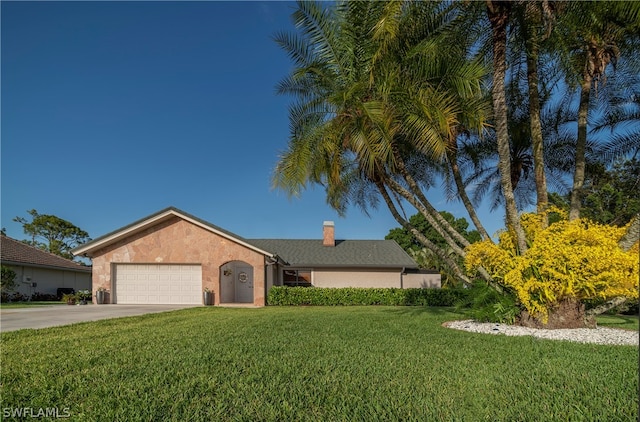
236 282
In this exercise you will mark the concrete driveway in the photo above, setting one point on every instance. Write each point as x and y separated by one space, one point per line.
55 315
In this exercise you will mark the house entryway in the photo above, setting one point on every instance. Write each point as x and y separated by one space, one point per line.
236 282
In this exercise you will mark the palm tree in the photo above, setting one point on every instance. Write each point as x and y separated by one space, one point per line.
592 37
499 13
620 122
534 22
478 156
373 103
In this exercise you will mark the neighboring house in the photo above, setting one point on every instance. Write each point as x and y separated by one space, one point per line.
38 271
171 256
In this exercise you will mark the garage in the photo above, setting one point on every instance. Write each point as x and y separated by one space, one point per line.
158 284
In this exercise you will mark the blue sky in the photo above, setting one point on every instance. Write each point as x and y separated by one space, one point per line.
112 111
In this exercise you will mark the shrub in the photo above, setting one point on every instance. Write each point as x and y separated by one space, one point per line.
576 259
7 279
350 296
483 303
43 297
7 297
69 298
83 295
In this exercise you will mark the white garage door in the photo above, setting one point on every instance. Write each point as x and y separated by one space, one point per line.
158 284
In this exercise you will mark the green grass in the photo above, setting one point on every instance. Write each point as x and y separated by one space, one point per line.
312 363
625 322
28 304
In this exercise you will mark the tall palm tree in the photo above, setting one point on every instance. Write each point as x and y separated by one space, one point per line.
479 158
439 97
372 99
499 13
592 36
534 22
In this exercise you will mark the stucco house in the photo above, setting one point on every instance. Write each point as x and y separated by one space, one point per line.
38 271
171 256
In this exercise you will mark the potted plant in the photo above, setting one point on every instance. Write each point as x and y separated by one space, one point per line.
69 298
83 296
207 297
101 296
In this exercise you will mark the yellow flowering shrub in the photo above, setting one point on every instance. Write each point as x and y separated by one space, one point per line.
570 259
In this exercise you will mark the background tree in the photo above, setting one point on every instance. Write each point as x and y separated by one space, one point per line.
423 256
7 279
591 37
52 234
610 196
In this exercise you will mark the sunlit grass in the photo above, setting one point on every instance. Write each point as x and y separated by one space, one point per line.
625 322
312 363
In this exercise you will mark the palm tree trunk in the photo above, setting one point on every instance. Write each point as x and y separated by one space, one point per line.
400 190
532 52
433 213
601 309
632 235
498 13
462 193
453 266
446 258
581 146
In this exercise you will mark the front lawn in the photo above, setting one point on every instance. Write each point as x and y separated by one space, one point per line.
312 363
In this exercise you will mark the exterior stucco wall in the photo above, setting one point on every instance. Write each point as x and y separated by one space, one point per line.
365 277
373 277
48 279
177 241
421 280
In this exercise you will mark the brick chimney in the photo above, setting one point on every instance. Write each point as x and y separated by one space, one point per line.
328 234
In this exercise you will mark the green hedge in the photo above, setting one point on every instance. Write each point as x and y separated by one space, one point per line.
349 296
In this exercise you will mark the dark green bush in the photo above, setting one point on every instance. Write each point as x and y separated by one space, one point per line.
485 304
350 296
6 297
44 297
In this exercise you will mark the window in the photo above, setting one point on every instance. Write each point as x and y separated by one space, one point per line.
296 278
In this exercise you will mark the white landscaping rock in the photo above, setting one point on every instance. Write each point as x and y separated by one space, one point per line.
600 335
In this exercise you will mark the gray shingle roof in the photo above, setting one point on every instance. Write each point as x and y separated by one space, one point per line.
15 252
352 253
307 253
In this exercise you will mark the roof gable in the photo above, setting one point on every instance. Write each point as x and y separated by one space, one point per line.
14 252
89 248
294 252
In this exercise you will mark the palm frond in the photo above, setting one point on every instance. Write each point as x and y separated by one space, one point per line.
620 145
